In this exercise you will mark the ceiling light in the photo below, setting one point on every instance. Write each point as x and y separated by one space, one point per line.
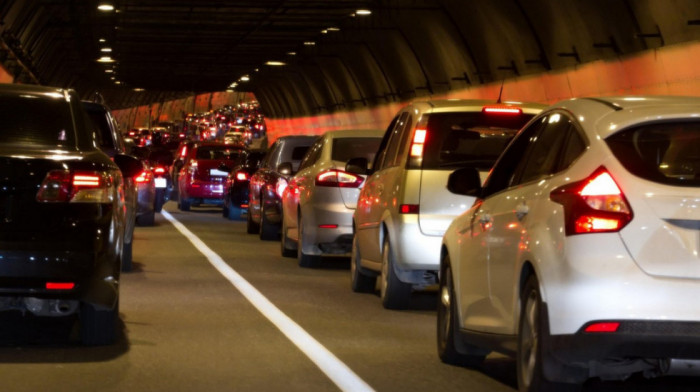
109 70
244 78
106 50
363 12
102 40
139 89
292 53
105 59
117 82
309 43
113 78
324 31
275 63
333 29
257 69
106 7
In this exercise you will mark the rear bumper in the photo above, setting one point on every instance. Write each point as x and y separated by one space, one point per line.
205 191
414 250
327 228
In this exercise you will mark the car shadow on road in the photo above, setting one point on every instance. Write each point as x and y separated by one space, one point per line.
30 339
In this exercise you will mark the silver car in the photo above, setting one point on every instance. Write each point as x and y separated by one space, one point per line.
404 208
320 199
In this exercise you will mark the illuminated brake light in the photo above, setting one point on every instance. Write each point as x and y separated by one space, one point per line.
61 186
86 180
60 285
418 143
603 327
183 153
328 226
144 177
159 170
338 178
409 208
241 176
499 109
594 205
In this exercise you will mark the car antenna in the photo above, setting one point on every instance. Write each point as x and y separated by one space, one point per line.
500 94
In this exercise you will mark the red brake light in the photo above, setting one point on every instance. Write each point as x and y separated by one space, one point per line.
502 109
241 176
61 186
60 285
338 178
183 152
144 177
409 208
418 143
603 327
159 170
327 226
594 205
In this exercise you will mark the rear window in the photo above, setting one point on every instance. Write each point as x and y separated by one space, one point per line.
104 132
299 152
354 147
217 152
475 139
666 153
34 119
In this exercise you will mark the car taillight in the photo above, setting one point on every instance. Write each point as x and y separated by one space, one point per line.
144 177
418 143
60 285
241 176
60 186
280 186
602 327
593 205
339 179
502 110
159 170
409 208
183 152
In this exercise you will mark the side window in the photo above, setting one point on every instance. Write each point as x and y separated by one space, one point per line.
266 162
312 155
574 147
394 141
381 152
502 175
404 142
544 150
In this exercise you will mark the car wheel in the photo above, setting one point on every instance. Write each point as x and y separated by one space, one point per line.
184 204
251 227
147 219
361 281
126 256
530 337
447 323
286 245
160 200
235 213
305 260
394 293
98 327
268 231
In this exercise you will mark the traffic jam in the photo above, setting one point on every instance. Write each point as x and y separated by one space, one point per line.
483 243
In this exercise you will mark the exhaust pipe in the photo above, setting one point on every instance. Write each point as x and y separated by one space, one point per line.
50 307
683 367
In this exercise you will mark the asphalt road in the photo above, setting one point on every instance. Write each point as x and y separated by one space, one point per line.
185 326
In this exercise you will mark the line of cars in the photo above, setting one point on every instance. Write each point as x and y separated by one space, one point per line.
565 236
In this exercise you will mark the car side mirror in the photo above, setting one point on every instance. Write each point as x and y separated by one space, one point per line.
129 166
357 166
465 181
285 168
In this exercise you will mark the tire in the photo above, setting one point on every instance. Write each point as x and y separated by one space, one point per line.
394 293
447 324
251 227
531 334
147 219
184 204
98 327
305 261
286 246
160 200
235 213
268 231
361 282
127 256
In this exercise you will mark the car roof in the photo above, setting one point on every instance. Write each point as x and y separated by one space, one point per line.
605 116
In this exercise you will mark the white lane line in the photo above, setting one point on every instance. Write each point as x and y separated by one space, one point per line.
329 364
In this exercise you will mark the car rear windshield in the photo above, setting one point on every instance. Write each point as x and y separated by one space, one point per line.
217 152
354 147
666 153
34 119
474 139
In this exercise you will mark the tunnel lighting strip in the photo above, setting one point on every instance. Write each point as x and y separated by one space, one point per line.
329 364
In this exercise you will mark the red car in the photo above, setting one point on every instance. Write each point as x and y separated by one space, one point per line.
201 180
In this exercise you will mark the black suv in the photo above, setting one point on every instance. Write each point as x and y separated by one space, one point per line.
62 215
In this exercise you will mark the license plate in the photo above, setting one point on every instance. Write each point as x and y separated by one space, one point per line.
161 183
217 172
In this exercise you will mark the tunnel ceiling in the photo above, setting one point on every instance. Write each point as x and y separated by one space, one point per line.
404 49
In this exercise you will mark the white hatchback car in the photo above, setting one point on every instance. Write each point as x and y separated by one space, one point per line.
325 196
580 255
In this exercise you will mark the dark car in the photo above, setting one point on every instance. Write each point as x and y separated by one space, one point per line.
201 181
111 142
236 186
63 213
158 160
268 183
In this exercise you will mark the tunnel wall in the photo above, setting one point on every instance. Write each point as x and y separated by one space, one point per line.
670 70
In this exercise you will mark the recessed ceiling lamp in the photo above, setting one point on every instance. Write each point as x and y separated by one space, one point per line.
105 7
275 63
333 29
117 82
363 12
102 40
244 78
292 53
324 31
139 89
309 43
105 59
109 70
106 50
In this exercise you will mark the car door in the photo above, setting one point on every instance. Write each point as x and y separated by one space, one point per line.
371 205
299 186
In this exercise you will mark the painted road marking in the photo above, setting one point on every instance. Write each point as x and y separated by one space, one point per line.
329 364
